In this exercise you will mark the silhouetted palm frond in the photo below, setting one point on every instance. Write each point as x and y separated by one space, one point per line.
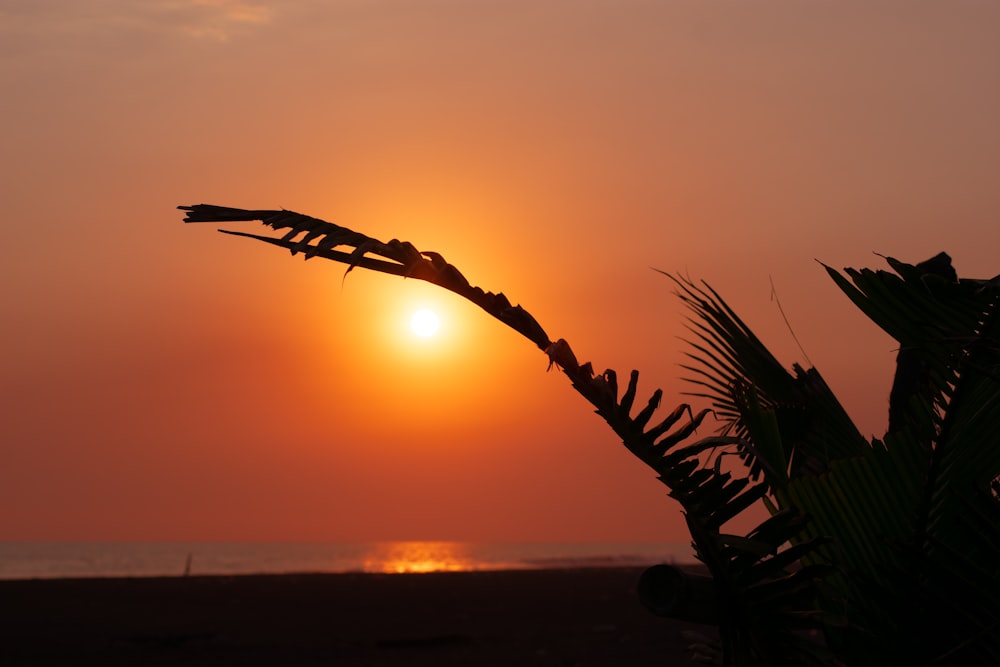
807 426
763 608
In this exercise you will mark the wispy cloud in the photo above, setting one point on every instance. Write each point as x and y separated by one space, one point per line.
220 19
27 24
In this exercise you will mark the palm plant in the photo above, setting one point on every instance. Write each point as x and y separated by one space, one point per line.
869 543
914 515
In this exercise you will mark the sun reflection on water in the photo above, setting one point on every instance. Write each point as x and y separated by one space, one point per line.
416 557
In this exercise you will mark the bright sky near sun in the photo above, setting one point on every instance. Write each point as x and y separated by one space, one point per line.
161 381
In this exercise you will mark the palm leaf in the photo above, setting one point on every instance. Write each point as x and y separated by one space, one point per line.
709 497
790 421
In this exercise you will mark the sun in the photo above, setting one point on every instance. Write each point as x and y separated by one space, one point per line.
425 323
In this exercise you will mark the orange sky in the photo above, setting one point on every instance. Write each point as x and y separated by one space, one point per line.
161 381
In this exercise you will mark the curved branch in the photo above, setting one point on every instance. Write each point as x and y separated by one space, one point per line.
318 238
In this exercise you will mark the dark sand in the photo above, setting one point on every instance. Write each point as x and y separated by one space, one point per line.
545 617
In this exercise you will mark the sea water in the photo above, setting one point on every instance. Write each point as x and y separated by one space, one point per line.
29 560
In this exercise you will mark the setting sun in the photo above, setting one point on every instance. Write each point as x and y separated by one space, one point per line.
424 323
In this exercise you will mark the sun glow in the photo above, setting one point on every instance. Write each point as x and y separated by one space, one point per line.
417 557
425 323
427 380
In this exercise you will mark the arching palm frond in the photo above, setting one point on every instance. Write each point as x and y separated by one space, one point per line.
762 606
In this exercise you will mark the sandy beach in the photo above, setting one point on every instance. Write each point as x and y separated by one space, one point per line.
536 617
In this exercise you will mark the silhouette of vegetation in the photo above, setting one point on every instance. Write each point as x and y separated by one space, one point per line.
881 551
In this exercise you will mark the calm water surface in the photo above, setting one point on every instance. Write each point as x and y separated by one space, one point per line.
24 560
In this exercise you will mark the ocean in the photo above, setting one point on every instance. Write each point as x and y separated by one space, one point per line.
48 560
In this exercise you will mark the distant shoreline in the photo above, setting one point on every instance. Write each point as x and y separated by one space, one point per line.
29 560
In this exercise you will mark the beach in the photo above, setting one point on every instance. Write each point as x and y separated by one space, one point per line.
528 617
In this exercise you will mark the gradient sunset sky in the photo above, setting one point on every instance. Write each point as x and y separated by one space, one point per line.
161 381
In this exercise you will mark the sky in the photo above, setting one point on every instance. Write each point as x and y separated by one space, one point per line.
161 381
